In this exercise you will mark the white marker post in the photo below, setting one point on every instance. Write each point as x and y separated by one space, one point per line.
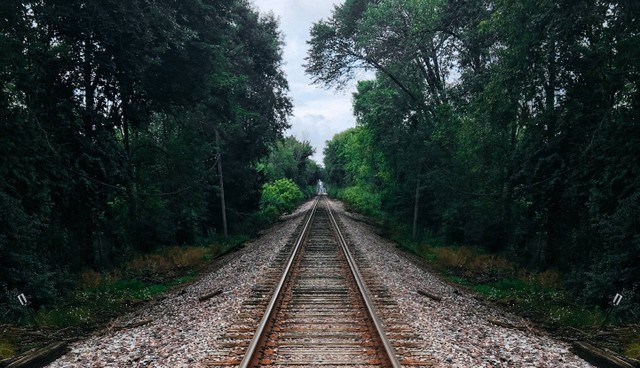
614 303
617 299
23 300
25 303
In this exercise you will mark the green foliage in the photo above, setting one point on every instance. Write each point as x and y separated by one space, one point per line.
357 172
103 295
109 113
135 289
280 196
497 124
185 279
539 295
61 317
108 297
290 159
361 200
575 316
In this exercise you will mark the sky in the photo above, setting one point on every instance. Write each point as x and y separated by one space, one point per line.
318 113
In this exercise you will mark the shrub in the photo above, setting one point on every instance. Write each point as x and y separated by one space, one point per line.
167 261
185 257
148 264
282 194
550 279
90 279
362 200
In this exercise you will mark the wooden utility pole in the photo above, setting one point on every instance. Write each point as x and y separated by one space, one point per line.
415 209
222 203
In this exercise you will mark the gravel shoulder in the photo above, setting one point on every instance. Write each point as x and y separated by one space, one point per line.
457 330
182 329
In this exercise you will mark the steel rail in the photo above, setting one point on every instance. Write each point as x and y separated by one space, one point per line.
250 355
364 292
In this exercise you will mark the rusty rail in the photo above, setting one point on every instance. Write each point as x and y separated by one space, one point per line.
253 351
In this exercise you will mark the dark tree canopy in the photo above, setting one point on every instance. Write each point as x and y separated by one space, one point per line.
510 125
109 112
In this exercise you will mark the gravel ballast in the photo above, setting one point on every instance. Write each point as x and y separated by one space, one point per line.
182 329
457 330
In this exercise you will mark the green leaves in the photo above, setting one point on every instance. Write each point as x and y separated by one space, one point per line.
501 123
108 111
290 159
282 194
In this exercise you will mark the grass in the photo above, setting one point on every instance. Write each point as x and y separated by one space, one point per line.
537 295
64 316
98 297
101 296
7 349
632 348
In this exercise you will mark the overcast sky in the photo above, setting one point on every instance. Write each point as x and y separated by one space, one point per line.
318 113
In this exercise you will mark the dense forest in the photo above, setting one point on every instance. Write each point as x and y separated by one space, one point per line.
511 125
121 124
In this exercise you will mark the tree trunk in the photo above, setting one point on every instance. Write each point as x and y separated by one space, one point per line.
130 187
550 92
415 208
507 195
222 202
89 89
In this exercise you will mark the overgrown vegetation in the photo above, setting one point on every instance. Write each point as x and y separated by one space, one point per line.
290 159
291 176
7 349
279 197
99 297
541 296
500 125
120 124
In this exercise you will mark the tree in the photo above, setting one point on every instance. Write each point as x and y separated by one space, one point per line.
282 194
109 112
403 43
289 158
523 153
356 170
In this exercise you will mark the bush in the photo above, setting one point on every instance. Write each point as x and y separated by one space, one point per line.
283 195
473 262
362 200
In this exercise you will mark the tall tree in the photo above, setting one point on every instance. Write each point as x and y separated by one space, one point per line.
403 43
521 139
290 158
108 113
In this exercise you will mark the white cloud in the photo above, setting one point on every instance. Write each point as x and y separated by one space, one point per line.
318 114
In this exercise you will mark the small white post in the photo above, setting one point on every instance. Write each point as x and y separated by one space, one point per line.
617 299
23 300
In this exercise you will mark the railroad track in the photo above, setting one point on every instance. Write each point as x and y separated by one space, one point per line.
319 310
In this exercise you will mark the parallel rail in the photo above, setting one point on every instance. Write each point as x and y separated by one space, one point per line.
313 306
366 296
382 346
251 355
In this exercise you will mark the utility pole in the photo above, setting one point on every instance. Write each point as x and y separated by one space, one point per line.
415 209
222 203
